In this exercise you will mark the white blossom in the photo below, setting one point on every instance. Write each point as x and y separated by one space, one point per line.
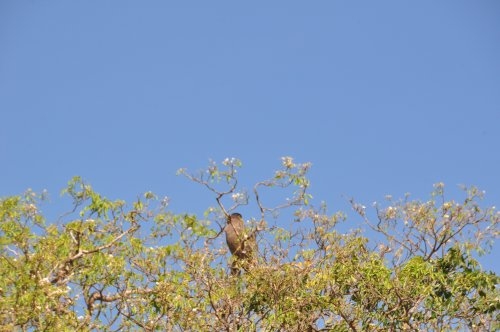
287 162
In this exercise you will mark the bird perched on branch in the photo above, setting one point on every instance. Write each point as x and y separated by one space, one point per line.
241 243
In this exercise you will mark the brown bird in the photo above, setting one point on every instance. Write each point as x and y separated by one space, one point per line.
241 244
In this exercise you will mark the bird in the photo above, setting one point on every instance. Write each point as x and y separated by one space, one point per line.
241 243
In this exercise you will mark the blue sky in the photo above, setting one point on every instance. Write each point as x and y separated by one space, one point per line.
383 97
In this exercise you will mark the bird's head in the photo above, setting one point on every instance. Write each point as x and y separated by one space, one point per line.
234 216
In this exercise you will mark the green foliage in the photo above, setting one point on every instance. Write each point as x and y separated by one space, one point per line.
108 266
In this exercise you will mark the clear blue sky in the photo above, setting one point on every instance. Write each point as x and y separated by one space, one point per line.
383 97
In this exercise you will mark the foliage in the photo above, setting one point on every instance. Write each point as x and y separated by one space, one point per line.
111 266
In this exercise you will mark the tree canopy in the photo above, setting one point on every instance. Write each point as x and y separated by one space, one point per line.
108 265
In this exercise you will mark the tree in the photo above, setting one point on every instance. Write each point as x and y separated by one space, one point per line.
111 266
